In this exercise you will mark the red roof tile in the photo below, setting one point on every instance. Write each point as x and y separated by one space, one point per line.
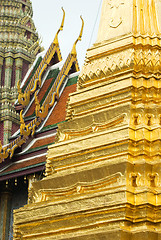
40 96
24 164
43 142
59 113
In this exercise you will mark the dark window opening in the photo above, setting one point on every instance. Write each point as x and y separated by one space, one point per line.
29 24
73 69
23 7
28 34
13 76
54 60
25 67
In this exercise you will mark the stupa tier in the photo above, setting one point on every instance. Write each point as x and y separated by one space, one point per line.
103 175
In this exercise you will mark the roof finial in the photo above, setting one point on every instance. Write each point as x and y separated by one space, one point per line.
22 126
79 38
60 29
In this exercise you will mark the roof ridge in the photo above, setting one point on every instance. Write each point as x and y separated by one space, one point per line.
24 98
54 93
41 112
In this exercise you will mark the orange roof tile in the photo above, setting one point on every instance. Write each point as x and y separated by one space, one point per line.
40 96
43 142
59 113
25 164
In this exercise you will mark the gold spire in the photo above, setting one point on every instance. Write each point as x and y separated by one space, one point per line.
141 18
105 165
145 17
122 39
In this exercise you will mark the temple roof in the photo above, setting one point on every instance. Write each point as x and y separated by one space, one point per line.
42 100
31 156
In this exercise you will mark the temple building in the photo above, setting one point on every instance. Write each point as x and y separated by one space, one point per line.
34 89
19 44
103 174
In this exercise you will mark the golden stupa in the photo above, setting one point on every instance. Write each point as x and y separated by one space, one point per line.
103 175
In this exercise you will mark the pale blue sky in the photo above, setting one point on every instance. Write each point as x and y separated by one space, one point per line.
48 16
